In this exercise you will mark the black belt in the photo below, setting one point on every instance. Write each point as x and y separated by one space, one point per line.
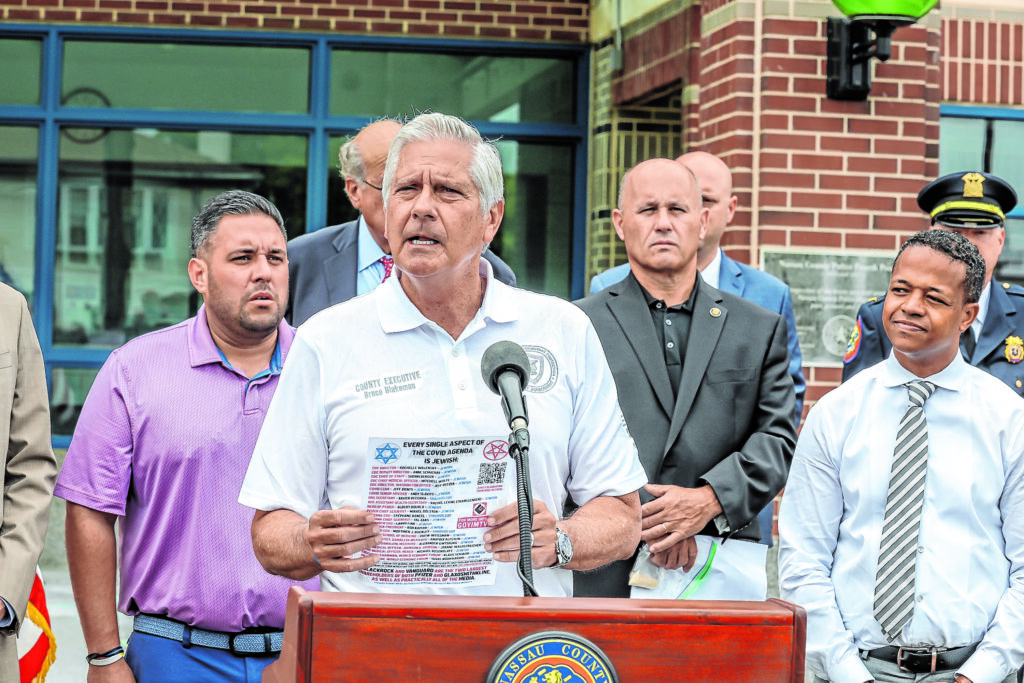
246 644
923 660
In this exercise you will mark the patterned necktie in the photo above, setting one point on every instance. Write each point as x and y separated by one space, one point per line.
897 554
389 263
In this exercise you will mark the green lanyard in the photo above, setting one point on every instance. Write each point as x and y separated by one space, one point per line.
703 574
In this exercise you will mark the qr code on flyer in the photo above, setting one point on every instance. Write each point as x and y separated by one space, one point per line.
491 473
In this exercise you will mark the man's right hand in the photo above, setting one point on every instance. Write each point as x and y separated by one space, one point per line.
118 672
682 554
335 536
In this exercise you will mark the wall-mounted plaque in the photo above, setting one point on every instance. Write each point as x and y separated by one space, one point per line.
828 286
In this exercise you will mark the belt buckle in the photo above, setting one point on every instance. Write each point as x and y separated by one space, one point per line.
900 658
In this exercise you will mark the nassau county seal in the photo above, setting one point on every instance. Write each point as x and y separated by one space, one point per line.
552 657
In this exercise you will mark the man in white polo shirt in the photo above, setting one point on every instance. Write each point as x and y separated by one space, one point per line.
382 407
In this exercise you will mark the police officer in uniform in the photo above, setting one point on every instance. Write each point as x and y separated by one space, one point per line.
975 205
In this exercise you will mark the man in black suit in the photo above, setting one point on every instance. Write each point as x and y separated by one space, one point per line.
338 262
702 377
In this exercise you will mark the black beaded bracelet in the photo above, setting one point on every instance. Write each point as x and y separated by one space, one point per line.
105 658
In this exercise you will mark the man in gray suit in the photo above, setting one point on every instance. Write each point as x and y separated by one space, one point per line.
29 469
702 377
339 262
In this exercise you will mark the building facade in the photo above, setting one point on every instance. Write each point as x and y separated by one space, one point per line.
118 118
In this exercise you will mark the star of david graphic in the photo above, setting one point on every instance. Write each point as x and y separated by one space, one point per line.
386 453
496 450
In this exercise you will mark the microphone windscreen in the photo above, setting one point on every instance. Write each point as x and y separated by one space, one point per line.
501 356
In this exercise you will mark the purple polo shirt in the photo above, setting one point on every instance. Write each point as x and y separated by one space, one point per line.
164 441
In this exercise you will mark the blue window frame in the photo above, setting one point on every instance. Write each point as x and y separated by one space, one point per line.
60 239
989 139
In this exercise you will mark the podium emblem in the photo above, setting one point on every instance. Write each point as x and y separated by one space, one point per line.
552 657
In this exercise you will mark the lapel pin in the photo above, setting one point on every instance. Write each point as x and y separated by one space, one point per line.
716 312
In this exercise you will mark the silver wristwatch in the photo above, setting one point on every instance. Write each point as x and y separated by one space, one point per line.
563 548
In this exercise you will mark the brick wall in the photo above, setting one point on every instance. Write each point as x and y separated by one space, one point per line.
809 172
982 61
843 174
561 20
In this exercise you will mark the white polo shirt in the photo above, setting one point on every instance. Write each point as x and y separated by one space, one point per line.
375 367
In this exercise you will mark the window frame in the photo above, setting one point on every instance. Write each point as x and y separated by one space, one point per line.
317 125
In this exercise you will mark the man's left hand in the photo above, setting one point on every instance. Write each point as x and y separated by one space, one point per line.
503 539
676 513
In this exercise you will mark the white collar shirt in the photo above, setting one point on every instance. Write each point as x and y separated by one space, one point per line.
970 563
311 453
979 322
712 274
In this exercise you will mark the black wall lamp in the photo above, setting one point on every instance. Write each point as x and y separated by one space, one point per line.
865 32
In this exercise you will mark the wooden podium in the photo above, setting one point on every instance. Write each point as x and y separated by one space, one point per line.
358 637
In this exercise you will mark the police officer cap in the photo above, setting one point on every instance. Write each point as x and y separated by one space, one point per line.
969 199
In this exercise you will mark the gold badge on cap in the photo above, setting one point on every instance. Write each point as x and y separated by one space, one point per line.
1014 349
973 184
716 312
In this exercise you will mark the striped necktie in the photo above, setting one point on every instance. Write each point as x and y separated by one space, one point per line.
897 554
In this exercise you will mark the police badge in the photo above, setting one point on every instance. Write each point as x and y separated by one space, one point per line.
1014 350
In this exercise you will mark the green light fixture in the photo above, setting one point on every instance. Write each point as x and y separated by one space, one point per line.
865 32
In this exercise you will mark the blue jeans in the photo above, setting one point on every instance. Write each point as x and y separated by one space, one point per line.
153 659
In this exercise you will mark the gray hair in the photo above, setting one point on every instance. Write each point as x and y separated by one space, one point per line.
957 248
484 169
350 158
230 203
350 161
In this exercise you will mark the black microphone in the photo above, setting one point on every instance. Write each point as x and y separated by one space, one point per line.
506 370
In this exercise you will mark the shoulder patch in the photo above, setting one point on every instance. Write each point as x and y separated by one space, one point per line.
872 299
853 346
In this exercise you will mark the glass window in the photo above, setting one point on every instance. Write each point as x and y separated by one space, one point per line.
479 87
22 61
125 206
1011 261
1007 142
338 208
196 77
68 389
535 237
19 149
961 145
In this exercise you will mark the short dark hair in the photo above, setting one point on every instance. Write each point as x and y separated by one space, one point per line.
230 203
958 248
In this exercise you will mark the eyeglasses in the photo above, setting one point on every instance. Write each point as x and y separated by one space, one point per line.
367 182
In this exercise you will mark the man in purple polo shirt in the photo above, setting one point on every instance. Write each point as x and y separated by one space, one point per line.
162 444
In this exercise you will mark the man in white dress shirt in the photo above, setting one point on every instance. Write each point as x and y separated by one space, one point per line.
964 559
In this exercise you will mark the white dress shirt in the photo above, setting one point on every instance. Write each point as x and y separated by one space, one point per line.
979 322
713 272
970 563
368 253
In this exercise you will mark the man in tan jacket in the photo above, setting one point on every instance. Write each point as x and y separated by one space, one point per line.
29 468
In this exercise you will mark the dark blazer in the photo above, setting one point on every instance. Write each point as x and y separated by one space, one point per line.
753 285
322 269
731 424
1004 319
